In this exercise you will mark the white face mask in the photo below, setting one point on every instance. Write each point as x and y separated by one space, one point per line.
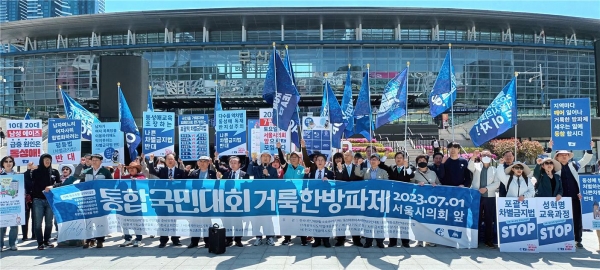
486 159
159 166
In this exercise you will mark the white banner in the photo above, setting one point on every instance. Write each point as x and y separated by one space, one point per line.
272 134
24 140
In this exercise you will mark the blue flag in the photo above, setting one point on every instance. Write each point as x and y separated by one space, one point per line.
393 102
336 117
27 117
324 107
295 123
499 117
74 110
348 106
218 106
150 104
269 85
362 113
128 126
443 94
285 102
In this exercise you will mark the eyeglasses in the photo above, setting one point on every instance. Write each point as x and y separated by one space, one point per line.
548 163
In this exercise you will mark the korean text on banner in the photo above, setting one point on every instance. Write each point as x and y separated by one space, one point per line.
570 120
107 140
231 132
555 224
316 132
193 142
24 140
442 215
254 136
517 226
193 119
64 140
12 200
159 133
590 203
272 134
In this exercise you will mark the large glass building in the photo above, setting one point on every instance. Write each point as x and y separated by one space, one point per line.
15 10
191 52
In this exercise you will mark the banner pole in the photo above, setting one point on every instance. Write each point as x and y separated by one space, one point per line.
516 139
276 109
451 104
370 112
407 116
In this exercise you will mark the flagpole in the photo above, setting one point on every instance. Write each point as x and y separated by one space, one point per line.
275 97
406 101
370 112
452 103
343 111
516 76
329 116
297 107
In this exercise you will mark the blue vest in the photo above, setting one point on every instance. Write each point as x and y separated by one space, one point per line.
292 173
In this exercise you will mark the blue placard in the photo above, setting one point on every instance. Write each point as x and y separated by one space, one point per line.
316 132
517 225
108 141
231 133
192 119
571 123
159 133
555 224
64 140
589 185
377 209
193 142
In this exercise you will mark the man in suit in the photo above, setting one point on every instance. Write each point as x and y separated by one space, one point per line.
202 173
345 172
170 171
373 173
264 170
319 172
402 172
370 151
235 172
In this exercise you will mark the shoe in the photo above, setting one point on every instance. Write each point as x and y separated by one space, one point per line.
431 244
177 244
327 244
316 244
339 243
286 242
406 245
92 243
270 241
229 243
380 245
309 238
393 243
304 243
126 243
41 247
136 243
24 239
420 244
238 244
151 236
14 248
578 245
48 245
194 245
490 244
162 245
258 242
100 244
358 244
86 245
367 245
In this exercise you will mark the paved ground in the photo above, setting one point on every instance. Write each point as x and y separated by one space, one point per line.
292 257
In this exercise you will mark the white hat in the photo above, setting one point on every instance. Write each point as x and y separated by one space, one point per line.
204 158
268 154
564 152
526 170
557 165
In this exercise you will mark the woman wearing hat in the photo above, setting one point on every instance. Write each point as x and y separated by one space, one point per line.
548 181
134 172
515 179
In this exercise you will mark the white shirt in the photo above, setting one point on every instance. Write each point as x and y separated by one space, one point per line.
322 174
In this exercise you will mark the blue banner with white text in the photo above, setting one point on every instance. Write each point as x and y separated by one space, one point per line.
159 133
377 208
231 132
589 185
571 123
64 140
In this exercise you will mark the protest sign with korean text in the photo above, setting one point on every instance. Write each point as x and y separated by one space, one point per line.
272 134
64 140
231 133
316 132
555 224
193 142
24 140
590 203
12 200
254 136
442 215
571 123
107 140
192 119
159 133
517 225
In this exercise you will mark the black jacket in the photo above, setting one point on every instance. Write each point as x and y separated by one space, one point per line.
196 173
344 176
37 180
163 173
401 176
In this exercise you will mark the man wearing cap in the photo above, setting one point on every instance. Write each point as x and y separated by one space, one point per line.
264 170
202 173
373 173
486 182
170 172
370 151
317 172
570 182
96 172
456 172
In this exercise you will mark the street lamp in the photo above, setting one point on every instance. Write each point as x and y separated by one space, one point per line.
19 68
540 75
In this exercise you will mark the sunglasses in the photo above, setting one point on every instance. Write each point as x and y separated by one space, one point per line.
66 169
518 168
548 163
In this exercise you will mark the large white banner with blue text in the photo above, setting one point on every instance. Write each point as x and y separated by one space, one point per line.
12 200
517 225
231 132
555 224
159 133
381 208
107 140
590 203
64 140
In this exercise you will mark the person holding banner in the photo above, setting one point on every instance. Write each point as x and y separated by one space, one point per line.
235 172
369 151
345 172
8 163
96 172
549 183
402 172
134 172
424 176
570 183
41 179
437 165
456 172
202 173
264 170
86 163
291 171
486 182
514 177
374 174
317 172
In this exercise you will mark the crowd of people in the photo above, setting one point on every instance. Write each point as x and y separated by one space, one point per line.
552 177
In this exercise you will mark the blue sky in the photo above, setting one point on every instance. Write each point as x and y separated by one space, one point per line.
576 8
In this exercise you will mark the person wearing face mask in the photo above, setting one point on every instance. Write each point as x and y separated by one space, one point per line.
514 177
424 176
486 182
157 165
